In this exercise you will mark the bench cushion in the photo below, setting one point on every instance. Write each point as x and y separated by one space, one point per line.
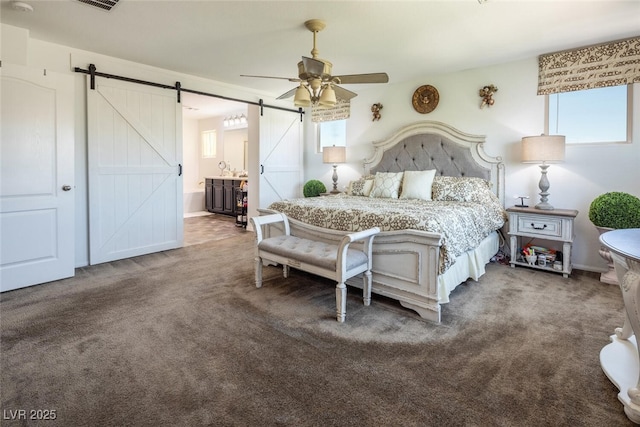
311 252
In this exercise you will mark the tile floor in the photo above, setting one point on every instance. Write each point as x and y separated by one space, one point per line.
205 228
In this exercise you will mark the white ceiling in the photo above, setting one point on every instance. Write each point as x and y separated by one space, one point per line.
220 40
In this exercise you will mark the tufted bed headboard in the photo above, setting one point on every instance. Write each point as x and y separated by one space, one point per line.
435 145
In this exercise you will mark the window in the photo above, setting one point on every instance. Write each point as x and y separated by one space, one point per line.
592 115
209 143
332 133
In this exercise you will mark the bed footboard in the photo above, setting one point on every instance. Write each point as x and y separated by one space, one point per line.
405 264
405 268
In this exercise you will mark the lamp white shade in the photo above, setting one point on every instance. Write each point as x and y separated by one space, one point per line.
302 97
334 154
543 149
328 97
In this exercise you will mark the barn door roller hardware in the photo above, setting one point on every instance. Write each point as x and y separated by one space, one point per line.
178 88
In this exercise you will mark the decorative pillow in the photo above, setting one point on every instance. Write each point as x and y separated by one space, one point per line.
361 187
386 185
461 189
417 184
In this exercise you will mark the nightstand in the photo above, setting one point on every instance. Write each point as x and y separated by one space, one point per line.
555 225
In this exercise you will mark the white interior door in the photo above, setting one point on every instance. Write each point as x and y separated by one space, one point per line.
36 177
135 180
280 156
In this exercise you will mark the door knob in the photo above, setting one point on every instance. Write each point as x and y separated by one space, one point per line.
66 187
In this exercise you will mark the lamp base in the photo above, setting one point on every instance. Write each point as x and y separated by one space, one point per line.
335 180
544 206
544 186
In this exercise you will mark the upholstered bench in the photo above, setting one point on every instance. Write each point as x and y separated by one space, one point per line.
333 261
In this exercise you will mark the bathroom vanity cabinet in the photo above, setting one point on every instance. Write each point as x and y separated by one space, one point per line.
220 194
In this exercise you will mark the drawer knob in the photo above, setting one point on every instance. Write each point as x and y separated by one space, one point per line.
536 227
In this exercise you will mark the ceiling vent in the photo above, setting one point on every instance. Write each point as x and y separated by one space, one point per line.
101 4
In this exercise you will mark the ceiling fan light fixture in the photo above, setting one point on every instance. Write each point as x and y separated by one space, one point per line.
318 87
302 97
328 97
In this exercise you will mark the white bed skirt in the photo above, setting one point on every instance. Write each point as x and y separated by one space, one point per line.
471 264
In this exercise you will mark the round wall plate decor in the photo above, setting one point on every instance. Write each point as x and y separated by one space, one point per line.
425 99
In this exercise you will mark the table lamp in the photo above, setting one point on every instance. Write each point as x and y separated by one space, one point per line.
334 155
543 149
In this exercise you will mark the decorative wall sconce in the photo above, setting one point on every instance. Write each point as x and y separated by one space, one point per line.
486 93
375 109
234 120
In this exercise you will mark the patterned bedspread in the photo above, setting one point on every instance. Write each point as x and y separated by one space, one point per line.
463 225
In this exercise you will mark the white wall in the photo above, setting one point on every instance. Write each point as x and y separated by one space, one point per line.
18 47
587 171
191 155
518 111
225 138
209 167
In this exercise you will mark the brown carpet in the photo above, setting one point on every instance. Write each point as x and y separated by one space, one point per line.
183 338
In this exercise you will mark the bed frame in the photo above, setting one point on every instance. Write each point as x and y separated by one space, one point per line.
405 263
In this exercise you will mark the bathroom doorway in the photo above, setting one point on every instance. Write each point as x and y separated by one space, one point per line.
201 113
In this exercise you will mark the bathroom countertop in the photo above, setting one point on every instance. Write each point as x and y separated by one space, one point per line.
238 178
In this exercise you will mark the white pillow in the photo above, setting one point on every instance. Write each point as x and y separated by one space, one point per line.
386 185
417 184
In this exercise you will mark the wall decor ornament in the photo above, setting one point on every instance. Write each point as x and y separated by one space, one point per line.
425 99
486 93
375 109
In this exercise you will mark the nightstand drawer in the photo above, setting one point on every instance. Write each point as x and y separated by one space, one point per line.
540 226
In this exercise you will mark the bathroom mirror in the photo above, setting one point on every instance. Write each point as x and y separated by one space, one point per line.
235 147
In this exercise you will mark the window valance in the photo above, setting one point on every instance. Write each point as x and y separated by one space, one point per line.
608 64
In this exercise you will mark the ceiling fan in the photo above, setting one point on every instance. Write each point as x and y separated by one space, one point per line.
317 86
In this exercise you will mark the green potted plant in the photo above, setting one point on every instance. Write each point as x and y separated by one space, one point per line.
313 188
615 210
609 211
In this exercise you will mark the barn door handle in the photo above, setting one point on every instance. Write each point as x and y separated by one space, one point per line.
261 169
179 169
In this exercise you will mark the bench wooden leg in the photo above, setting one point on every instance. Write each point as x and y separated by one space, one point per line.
285 271
258 263
341 302
366 288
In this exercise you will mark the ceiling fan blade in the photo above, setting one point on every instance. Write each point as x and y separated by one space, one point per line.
288 94
343 93
313 66
291 79
363 78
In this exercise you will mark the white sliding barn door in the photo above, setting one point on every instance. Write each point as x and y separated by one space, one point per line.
280 156
36 177
134 169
